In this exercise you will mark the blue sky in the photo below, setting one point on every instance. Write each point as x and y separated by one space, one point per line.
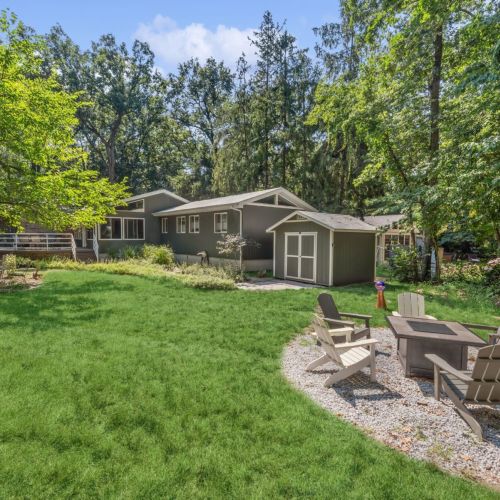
176 30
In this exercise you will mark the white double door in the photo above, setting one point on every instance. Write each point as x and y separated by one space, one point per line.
300 256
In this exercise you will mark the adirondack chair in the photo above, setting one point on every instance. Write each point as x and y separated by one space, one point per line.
411 305
481 386
333 317
350 356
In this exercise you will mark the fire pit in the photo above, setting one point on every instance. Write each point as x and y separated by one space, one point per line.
419 336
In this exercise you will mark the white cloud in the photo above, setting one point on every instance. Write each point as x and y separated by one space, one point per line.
173 44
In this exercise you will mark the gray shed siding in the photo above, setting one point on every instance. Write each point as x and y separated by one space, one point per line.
256 219
323 248
192 243
353 257
152 229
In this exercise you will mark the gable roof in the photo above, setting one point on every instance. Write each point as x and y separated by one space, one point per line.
234 201
380 221
154 193
333 222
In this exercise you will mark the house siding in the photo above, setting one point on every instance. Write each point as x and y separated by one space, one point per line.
256 220
323 248
353 257
206 240
152 228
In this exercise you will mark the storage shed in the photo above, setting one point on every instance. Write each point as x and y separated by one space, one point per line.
327 249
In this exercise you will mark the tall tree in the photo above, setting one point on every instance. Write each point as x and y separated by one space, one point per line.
120 84
42 176
197 96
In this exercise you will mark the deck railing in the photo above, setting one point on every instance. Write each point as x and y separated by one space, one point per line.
38 242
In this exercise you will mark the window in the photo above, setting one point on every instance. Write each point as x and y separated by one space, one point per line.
133 229
181 224
111 229
220 223
395 240
164 225
136 205
194 223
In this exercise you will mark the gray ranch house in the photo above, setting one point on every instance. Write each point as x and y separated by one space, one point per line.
197 226
293 239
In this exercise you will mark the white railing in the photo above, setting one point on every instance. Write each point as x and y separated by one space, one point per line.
37 242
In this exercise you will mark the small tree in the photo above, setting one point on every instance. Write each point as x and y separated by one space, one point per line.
232 246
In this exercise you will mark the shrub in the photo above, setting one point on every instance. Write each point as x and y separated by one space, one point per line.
10 263
129 252
207 282
492 277
468 272
159 254
405 264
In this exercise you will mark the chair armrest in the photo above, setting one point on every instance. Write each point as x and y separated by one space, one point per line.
339 322
357 343
366 317
428 316
395 313
340 332
444 365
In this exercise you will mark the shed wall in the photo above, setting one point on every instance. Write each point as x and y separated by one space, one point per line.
353 257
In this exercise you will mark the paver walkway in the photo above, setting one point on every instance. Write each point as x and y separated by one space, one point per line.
265 284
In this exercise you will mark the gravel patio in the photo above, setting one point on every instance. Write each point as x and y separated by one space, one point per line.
401 412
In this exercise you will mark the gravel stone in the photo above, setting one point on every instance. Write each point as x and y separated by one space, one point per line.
401 412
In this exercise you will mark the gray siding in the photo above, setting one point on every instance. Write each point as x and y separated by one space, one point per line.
192 243
152 229
353 257
323 248
256 220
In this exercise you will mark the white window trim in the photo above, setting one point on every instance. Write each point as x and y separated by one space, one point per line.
112 239
127 209
164 225
193 217
215 222
143 228
300 257
177 224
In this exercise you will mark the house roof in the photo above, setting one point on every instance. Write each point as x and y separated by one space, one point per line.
380 221
333 222
234 201
153 193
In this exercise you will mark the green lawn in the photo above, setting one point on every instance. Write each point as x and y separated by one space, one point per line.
121 386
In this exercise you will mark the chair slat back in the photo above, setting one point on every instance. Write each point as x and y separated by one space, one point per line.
411 305
325 339
328 307
486 375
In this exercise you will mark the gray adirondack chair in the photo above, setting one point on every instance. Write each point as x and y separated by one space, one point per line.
333 317
350 356
479 386
411 305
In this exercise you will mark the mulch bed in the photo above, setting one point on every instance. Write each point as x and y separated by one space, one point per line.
19 282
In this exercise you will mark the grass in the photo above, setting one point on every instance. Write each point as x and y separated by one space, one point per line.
135 387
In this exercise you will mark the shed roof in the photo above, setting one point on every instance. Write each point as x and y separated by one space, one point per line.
334 222
381 221
233 201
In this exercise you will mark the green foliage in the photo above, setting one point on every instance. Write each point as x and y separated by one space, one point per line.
148 389
460 271
159 254
9 262
492 278
43 178
129 252
405 264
